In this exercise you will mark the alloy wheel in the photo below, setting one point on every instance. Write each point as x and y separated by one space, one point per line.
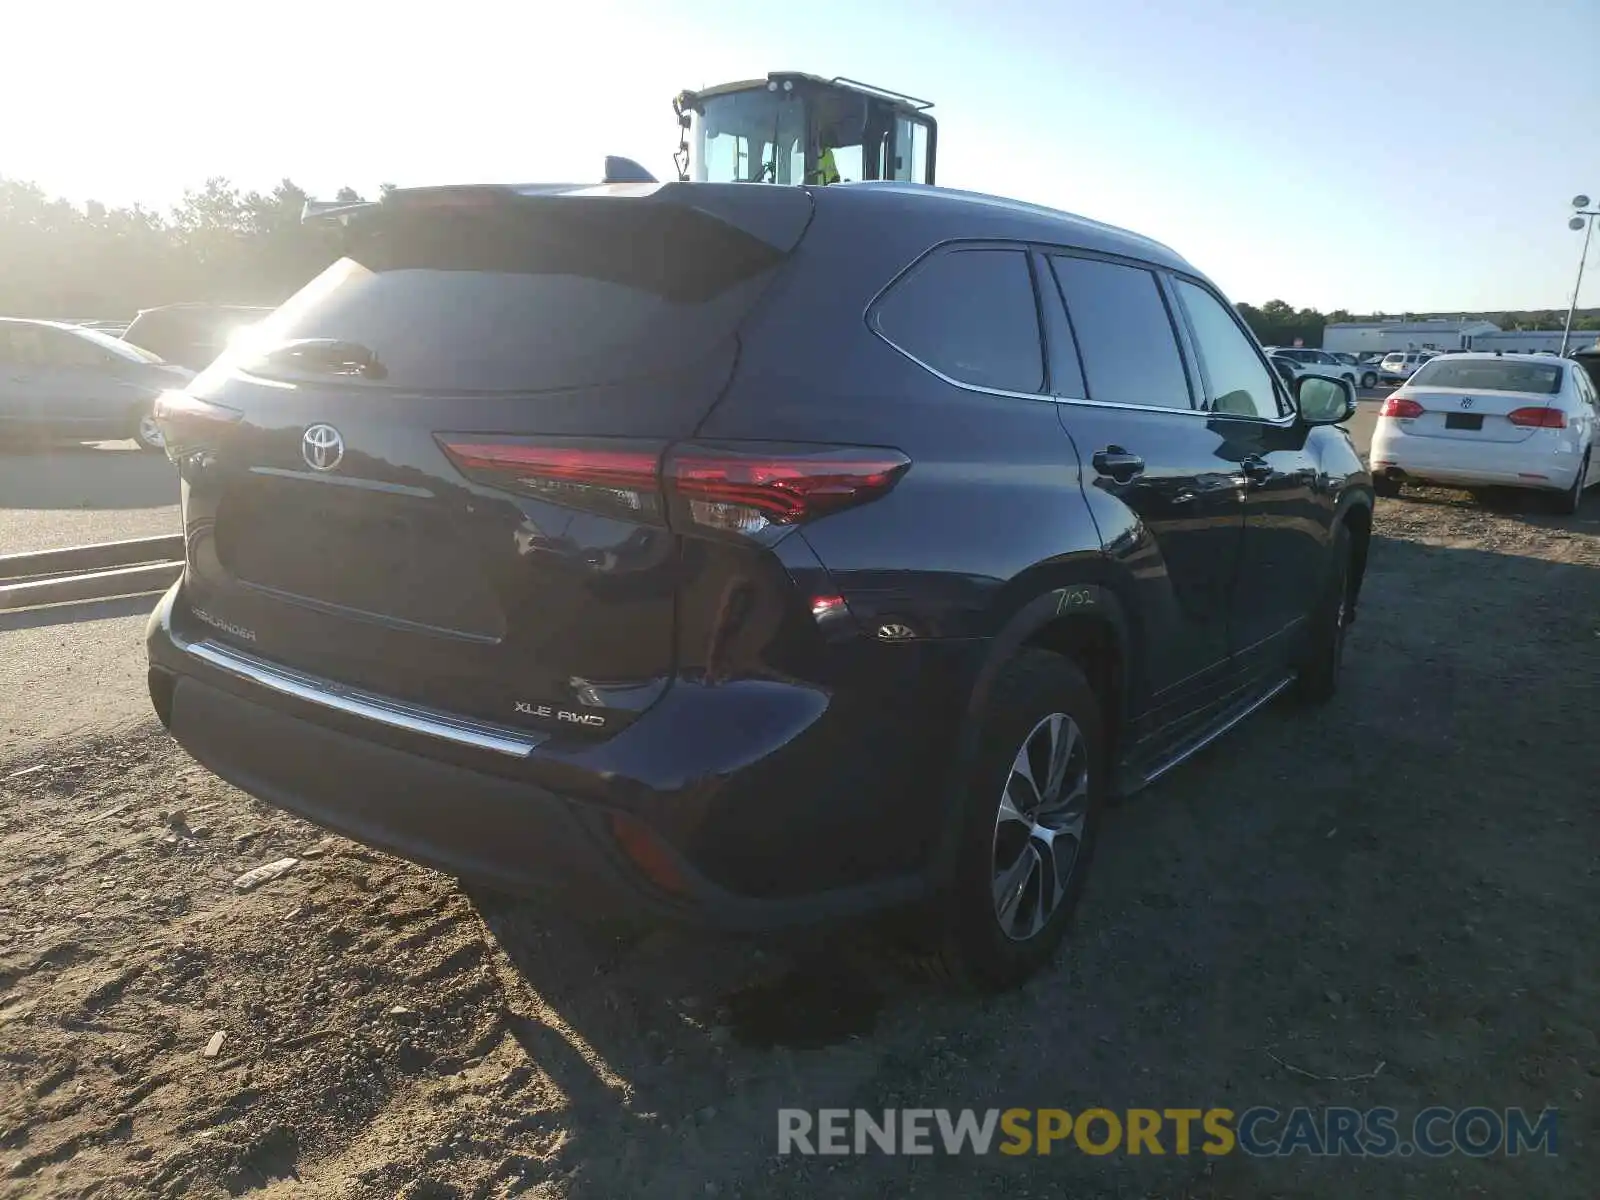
1039 828
149 432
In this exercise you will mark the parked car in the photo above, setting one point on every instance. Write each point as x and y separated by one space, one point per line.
809 565
1320 362
1400 365
65 381
1288 370
1366 373
1589 360
191 334
1480 419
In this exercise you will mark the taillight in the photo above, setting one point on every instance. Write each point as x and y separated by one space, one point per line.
189 424
739 488
1401 406
615 478
1538 418
750 488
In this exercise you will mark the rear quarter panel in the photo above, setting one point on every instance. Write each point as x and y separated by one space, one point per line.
990 513
988 520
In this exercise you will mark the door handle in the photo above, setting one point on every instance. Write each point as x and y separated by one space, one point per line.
1256 469
1117 463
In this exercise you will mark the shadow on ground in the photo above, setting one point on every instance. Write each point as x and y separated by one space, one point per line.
71 614
75 476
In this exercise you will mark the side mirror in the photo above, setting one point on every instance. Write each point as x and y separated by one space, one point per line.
1322 400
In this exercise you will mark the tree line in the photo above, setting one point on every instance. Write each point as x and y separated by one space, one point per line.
95 262
230 246
1276 323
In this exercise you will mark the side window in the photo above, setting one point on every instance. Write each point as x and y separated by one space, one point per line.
24 347
1125 337
911 151
1239 383
63 350
970 315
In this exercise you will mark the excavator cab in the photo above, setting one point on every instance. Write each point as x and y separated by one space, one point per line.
781 129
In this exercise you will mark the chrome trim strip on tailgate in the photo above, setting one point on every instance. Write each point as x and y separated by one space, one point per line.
395 714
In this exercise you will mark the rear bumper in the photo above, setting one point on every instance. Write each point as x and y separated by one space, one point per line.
1542 461
544 823
490 830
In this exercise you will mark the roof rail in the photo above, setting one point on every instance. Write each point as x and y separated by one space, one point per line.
919 105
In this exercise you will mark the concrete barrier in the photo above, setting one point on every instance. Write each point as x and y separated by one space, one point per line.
100 556
90 585
102 571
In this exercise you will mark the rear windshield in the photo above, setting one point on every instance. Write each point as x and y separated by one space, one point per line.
529 295
1495 375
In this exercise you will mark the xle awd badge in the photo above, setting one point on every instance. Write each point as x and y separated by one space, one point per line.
549 712
322 446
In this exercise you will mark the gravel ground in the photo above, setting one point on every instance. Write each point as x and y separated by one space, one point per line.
1396 892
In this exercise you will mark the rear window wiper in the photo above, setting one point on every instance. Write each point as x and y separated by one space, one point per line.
329 356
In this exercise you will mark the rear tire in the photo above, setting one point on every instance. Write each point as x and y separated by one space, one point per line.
1384 486
1369 380
1568 503
1013 889
1329 620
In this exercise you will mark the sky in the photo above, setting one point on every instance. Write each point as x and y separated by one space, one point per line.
1371 155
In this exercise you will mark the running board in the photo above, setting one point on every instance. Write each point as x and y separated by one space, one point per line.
1131 780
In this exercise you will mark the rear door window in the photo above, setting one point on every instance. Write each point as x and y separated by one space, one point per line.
1124 333
63 349
526 297
23 346
970 315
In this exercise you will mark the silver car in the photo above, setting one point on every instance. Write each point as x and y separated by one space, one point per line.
68 382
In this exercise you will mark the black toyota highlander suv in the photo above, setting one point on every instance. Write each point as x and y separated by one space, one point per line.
752 554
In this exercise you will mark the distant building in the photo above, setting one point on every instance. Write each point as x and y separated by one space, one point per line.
1380 337
1522 340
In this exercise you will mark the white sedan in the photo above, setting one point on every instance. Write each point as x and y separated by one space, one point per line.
1483 420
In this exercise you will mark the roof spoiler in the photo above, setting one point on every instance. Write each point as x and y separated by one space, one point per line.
617 170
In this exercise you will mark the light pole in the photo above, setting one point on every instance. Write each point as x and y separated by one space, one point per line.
1583 219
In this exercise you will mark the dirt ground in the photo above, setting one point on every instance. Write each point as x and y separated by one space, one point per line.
1398 891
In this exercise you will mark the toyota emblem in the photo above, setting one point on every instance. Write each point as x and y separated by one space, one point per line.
322 447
